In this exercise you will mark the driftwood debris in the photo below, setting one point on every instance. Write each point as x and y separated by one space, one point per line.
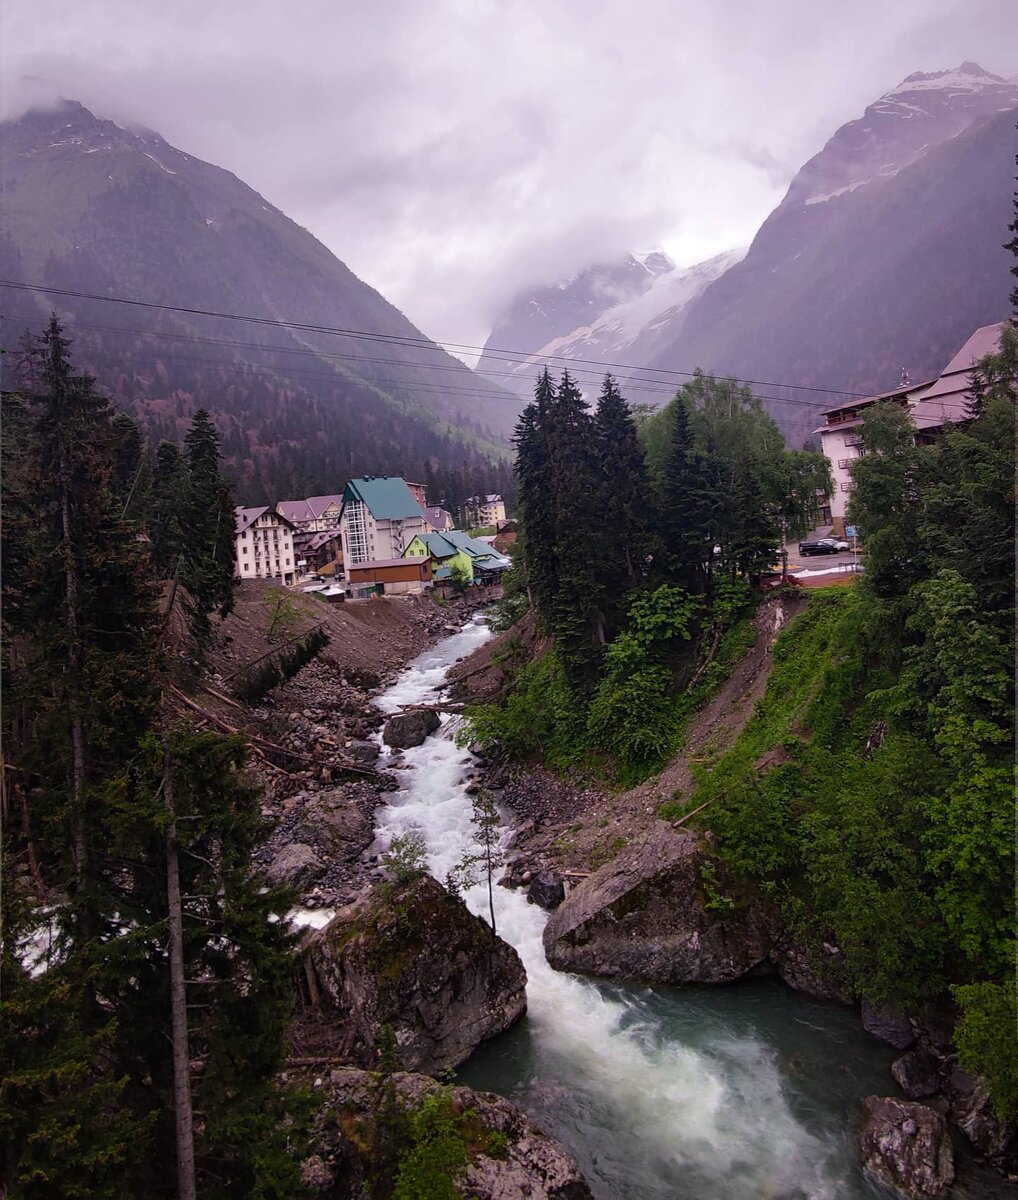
263 746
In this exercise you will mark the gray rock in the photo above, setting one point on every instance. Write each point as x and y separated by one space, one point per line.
365 752
411 728
546 889
972 1112
419 961
906 1148
296 866
645 915
814 974
917 1073
889 1023
510 1159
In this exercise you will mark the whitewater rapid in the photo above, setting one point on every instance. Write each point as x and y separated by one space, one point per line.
648 1113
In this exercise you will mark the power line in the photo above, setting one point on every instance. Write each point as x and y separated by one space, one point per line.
633 383
396 339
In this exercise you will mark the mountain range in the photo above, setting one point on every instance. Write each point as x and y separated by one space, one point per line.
885 252
92 207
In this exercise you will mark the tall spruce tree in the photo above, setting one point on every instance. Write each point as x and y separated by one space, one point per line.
629 547
533 470
208 518
166 509
682 518
577 610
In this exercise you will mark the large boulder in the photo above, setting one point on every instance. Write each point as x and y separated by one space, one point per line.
546 889
662 911
358 1139
917 1073
296 866
416 959
889 1023
906 1148
410 729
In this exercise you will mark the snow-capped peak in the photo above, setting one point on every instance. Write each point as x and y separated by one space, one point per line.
969 77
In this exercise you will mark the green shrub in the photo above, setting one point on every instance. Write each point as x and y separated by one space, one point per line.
987 1040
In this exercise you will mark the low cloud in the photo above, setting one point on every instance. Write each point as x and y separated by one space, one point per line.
455 153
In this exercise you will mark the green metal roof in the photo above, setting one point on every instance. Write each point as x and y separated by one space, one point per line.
471 545
439 546
387 498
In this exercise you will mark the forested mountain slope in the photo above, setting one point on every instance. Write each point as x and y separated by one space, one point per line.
92 207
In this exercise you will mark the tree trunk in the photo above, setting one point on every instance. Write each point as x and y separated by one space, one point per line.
79 839
183 1116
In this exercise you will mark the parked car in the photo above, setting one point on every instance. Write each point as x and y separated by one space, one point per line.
823 546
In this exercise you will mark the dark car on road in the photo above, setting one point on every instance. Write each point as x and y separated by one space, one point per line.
823 546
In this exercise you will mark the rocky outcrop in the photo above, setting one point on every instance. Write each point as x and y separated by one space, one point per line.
973 1113
663 911
889 1023
906 1148
416 959
504 1156
319 836
815 974
410 729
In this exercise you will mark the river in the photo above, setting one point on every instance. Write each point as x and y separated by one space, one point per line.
733 1093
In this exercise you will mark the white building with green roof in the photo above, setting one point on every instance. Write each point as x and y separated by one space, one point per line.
380 517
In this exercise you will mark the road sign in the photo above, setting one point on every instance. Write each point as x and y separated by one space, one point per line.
851 531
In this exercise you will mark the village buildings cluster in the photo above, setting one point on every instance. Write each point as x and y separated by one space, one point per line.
379 535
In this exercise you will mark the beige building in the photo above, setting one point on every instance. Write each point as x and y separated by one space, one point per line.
483 510
263 545
380 518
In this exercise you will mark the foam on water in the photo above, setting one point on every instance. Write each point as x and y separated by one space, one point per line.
667 1118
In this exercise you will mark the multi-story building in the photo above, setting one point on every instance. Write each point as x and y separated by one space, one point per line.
313 515
263 545
379 519
483 510
419 493
841 441
931 406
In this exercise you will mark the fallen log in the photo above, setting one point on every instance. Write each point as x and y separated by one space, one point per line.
264 747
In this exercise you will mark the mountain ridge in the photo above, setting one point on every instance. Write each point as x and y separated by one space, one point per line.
95 207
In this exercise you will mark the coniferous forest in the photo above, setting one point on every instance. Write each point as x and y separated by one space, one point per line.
128 838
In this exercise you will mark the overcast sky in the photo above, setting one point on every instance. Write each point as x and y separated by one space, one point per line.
452 152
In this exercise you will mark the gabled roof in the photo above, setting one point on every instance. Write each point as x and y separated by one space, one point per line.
387 499
319 539
947 400
439 518
244 518
318 504
294 510
471 545
438 544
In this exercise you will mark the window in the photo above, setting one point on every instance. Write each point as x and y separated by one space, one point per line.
843 463
846 487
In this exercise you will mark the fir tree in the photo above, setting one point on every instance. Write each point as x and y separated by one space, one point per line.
680 502
208 518
533 469
165 510
628 544
129 465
